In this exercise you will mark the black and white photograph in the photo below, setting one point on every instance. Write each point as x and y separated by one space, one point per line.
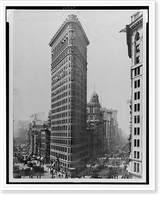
78 95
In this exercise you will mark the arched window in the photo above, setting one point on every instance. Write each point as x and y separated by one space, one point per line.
137 48
137 36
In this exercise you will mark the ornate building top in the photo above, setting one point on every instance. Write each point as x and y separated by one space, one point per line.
94 98
70 18
94 101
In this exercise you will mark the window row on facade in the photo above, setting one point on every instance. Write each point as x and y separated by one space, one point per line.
70 121
59 148
93 117
70 93
73 74
69 150
59 141
59 103
59 97
57 154
56 83
63 127
59 134
61 67
60 115
60 109
59 128
60 90
63 121
70 113
59 80
63 62
60 47
92 110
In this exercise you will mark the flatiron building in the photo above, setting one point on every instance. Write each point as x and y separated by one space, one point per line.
69 94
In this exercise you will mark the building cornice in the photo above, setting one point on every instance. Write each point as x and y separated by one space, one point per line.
136 22
70 18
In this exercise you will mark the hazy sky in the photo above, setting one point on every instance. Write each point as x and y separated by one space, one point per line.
108 61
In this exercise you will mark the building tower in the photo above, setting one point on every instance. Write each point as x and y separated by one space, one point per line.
95 127
69 94
136 37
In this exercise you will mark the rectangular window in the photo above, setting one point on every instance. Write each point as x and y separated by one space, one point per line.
135 84
135 129
138 71
138 143
138 168
138 96
138 131
135 107
135 119
134 167
135 96
135 72
138 154
138 83
138 119
134 154
138 107
135 143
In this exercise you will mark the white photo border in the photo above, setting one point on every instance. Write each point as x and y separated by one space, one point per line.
4 102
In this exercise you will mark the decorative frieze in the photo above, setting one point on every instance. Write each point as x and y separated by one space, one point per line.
135 26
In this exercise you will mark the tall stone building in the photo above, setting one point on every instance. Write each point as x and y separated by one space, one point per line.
107 119
111 128
136 42
69 94
95 128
